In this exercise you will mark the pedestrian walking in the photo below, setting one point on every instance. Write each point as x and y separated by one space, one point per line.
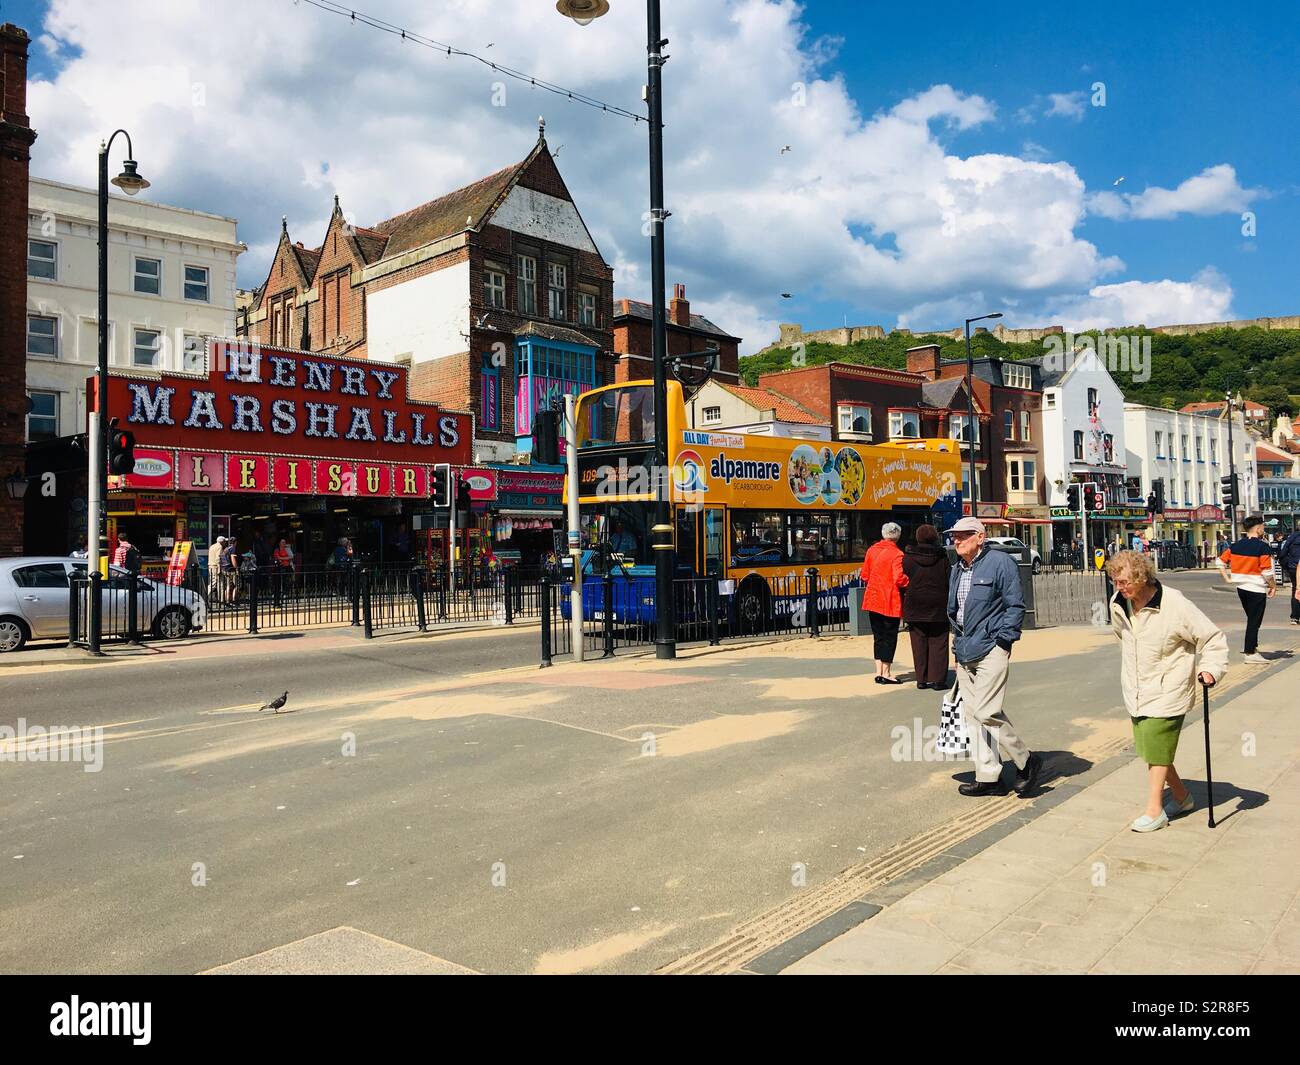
986 609
1288 555
230 570
126 556
1247 565
884 580
925 607
283 562
1166 645
214 568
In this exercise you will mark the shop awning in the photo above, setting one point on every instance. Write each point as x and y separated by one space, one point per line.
539 512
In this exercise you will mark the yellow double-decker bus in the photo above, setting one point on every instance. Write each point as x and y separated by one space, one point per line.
755 511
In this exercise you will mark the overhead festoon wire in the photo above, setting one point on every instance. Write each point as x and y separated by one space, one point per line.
451 50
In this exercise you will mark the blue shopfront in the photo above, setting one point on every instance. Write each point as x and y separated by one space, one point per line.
546 371
528 515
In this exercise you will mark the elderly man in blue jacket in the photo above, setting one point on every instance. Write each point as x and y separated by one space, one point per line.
986 609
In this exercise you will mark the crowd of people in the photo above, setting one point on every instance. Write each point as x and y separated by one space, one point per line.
972 611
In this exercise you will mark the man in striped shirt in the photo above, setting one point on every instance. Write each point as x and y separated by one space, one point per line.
1248 566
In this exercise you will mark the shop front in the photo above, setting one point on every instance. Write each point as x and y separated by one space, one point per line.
528 518
273 444
1026 522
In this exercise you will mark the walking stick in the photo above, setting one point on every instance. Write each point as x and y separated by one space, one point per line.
1209 777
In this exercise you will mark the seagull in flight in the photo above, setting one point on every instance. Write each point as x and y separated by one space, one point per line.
787 295
1118 181
275 704
787 148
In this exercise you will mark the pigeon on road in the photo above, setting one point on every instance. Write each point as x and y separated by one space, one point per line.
275 704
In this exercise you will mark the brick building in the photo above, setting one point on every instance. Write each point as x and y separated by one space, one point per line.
686 332
494 296
1008 402
16 137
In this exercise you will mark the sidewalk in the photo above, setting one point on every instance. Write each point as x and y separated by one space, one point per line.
1073 890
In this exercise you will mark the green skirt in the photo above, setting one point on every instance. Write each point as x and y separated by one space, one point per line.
1157 738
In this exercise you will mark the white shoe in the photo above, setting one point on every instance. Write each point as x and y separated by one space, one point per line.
1150 824
1256 659
1173 809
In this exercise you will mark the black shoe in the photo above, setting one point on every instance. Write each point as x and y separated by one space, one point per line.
1026 778
976 788
888 680
921 685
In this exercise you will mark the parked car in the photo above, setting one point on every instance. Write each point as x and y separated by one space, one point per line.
34 602
1019 545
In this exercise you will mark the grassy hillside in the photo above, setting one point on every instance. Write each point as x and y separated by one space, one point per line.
1264 365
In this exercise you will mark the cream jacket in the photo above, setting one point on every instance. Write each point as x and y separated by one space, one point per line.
1159 646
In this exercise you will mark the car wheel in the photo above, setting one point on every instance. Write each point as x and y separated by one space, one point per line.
13 634
173 623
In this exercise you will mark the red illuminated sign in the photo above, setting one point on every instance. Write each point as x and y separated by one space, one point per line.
262 400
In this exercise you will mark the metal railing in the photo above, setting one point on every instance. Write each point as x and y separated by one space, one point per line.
620 612
374 598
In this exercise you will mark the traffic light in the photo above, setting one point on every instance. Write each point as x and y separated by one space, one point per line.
1159 490
441 485
121 452
1228 490
1098 501
1072 497
546 437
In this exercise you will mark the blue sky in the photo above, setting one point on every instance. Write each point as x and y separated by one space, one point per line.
947 159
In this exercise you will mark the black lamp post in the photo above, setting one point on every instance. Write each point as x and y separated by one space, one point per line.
971 435
583 12
130 182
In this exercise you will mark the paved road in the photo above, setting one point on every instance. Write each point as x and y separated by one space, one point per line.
506 822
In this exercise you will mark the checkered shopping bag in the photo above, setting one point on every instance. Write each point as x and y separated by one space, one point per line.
954 731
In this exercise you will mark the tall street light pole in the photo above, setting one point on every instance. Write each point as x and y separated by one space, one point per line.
971 435
130 182
583 12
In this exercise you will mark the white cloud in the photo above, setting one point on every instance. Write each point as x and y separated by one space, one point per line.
1206 298
1214 190
1066 104
271 109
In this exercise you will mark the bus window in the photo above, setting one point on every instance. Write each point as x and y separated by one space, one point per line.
686 537
617 416
757 537
625 526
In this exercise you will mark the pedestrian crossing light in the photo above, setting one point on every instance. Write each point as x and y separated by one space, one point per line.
121 452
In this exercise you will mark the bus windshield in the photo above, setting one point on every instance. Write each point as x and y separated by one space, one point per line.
617 416
624 526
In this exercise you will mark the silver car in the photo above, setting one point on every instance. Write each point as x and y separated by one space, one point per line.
34 602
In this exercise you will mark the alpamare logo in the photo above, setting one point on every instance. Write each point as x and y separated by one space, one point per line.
103 1018
688 472
57 743
729 469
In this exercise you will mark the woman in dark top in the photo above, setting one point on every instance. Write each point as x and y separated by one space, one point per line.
925 607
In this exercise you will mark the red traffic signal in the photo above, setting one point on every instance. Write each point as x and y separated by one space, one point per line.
121 452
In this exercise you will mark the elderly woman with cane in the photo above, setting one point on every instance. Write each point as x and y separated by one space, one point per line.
1162 635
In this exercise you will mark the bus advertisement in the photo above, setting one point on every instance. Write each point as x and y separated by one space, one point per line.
756 512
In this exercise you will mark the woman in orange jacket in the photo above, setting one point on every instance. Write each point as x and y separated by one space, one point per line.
884 580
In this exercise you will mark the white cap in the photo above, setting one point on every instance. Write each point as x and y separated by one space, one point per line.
968 525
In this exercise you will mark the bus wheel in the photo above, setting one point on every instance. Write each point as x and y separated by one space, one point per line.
752 607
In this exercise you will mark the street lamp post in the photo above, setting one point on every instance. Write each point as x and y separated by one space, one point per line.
1232 465
583 12
130 182
970 408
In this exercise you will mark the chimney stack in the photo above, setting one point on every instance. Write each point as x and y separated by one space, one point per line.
16 136
679 310
924 360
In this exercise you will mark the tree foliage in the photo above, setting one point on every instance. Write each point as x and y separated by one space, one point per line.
1261 364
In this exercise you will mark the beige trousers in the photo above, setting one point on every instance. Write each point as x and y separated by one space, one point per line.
983 683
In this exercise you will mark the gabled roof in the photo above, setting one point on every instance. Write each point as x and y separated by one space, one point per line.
453 213
1265 452
942 392
307 260
1211 407
641 309
786 409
